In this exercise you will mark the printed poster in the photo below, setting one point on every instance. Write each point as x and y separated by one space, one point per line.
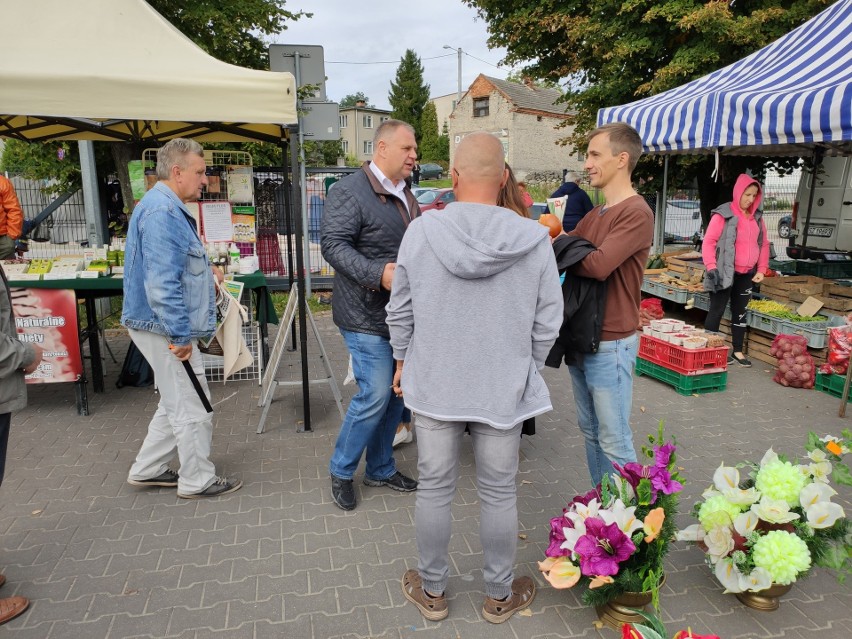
244 228
48 318
216 221
240 184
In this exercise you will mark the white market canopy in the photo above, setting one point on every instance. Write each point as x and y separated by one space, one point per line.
788 98
118 71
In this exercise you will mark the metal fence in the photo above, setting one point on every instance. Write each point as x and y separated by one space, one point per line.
63 231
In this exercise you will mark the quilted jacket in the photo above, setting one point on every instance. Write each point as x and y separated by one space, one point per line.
362 228
14 355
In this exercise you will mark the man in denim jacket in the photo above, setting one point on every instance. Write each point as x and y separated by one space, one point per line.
169 302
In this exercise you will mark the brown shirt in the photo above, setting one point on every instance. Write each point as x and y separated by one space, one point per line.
622 234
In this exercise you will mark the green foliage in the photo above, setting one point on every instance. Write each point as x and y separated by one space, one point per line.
409 93
352 98
433 147
40 161
613 52
230 31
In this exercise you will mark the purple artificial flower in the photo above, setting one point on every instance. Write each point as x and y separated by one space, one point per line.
633 472
662 480
602 548
594 493
663 455
657 475
557 537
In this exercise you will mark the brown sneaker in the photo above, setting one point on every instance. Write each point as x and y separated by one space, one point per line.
432 608
523 593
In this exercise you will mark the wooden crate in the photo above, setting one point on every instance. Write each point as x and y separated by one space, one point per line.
759 343
808 284
829 302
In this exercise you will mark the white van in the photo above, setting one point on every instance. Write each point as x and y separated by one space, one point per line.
829 235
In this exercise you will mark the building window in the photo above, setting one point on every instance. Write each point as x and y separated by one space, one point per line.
384 118
581 157
368 121
480 107
344 121
368 147
344 144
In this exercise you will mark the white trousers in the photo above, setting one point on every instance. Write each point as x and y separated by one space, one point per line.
181 423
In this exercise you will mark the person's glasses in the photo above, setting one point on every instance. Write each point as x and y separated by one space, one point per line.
456 172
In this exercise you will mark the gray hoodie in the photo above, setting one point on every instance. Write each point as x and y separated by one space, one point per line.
475 307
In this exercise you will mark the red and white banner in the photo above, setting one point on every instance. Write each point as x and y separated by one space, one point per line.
48 318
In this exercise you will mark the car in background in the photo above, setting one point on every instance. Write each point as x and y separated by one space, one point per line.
437 199
431 171
538 209
784 226
417 191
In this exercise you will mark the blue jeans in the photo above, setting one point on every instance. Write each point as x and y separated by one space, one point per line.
374 412
603 393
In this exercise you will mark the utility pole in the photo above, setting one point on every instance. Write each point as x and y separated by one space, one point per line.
459 90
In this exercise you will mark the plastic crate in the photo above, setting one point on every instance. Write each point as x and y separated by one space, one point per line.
788 267
814 332
674 294
680 359
828 270
702 301
683 384
831 384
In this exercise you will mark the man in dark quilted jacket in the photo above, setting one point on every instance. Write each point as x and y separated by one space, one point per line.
365 217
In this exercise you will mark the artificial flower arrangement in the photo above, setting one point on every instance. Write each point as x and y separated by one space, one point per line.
773 526
653 628
615 537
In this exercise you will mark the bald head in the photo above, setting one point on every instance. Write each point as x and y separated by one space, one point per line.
479 169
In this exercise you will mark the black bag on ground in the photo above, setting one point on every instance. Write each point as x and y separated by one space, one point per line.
136 370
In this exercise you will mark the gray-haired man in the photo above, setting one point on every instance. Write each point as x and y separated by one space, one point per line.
578 202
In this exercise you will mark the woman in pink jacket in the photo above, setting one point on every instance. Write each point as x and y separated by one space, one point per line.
736 255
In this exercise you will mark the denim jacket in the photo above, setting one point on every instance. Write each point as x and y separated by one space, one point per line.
168 285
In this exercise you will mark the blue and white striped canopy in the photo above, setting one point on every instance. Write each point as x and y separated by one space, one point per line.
789 97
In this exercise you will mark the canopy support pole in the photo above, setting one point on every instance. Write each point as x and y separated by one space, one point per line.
817 162
662 206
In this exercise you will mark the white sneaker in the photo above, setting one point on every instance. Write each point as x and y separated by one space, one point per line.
403 434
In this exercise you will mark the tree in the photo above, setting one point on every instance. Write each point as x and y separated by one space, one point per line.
350 100
429 149
520 77
612 52
409 94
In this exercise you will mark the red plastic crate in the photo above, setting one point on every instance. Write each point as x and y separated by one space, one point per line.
680 359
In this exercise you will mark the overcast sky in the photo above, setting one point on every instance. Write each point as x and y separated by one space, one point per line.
380 31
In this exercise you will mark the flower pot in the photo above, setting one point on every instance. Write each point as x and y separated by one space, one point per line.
623 608
764 599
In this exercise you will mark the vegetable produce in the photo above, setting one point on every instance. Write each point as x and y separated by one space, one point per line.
552 222
795 364
776 309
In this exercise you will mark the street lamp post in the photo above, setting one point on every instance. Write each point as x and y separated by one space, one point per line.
459 90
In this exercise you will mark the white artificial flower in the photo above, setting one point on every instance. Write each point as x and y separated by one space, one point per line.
622 486
572 535
775 511
824 514
820 471
726 478
836 440
758 580
582 512
742 497
817 455
694 532
815 492
719 542
746 522
769 457
709 492
728 575
623 516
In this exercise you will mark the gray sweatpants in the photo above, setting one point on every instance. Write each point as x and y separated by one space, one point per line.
496 456
181 424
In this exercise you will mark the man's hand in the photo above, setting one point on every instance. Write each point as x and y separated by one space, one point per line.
397 380
183 353
758 278
645 317
218 274
387 275
38 350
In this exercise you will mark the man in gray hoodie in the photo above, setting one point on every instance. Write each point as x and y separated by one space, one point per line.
474 309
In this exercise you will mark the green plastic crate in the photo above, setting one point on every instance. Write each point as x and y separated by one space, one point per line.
788 267
827 270
683 384
831 384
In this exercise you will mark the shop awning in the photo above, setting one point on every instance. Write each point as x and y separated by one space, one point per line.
786 99
118 71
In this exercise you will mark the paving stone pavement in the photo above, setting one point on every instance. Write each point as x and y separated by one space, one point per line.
101 559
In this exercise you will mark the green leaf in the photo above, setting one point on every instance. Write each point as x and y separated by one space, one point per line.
643 492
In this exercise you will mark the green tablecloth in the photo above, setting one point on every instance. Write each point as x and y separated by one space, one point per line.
107 286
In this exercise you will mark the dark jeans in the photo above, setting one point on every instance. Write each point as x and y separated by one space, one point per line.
5 420
739 294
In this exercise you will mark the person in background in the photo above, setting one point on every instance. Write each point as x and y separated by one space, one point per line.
366 215
578 202
621 229
169 303
11 219
736 255
528 201
415 174
16 360
511 195
483 374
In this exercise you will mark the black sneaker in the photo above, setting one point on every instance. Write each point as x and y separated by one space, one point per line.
397 481
169 479
731 360
220 486
343 493
742 361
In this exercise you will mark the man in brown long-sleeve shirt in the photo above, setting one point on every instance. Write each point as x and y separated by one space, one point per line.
622 230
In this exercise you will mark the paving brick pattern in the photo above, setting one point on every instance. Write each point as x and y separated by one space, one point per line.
99 558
